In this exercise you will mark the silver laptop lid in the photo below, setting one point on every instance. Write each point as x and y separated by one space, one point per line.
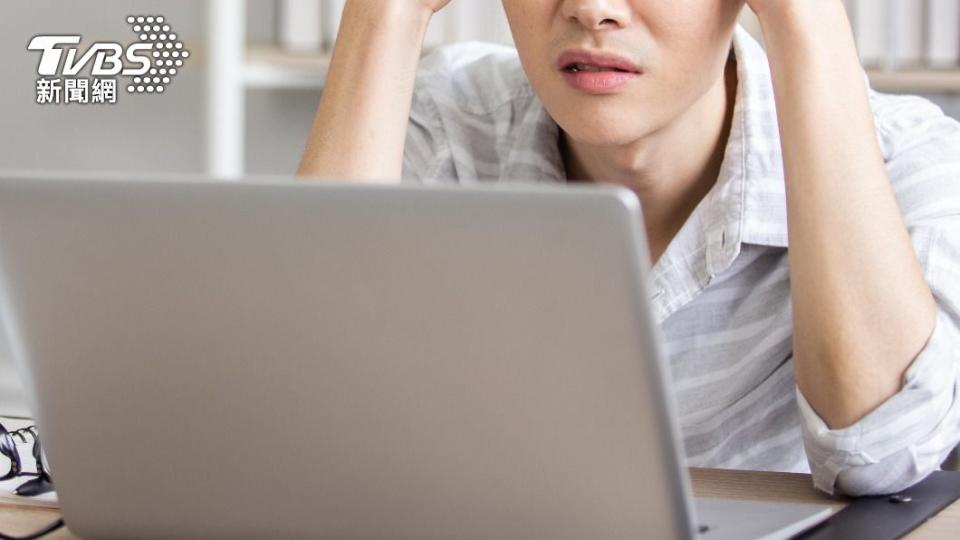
212 359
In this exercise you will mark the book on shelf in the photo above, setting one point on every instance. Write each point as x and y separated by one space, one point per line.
300 25
444 28
469 21
889 33
478 22
870 26
904 34
943 33
313 25
331 13
907 27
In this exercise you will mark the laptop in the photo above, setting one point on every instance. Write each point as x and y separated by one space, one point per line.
279 359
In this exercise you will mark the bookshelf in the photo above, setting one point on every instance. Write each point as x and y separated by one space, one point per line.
886 75
270 67
916 80
236 68
226 88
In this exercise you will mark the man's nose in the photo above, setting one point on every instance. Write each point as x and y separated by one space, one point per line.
598 14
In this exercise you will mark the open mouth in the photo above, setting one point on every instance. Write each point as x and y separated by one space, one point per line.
589 68
596 72
586 61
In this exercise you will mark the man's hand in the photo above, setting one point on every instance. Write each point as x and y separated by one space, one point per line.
434 5
764 8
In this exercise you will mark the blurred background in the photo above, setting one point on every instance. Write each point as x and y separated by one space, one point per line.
268 78
249 111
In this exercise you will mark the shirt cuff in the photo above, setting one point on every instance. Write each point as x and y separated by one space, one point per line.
903 440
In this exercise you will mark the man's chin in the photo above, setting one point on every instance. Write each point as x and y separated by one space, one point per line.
607 134
604 125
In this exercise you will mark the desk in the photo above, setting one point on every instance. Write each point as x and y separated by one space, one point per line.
707 483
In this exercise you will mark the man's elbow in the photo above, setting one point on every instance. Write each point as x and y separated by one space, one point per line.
893 474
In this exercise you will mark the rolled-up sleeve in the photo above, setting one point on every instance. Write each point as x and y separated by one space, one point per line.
903 441
909 436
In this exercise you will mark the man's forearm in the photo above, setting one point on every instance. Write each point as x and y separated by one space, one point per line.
862 308
360 127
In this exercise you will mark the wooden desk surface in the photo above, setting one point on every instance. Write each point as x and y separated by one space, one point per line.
21 520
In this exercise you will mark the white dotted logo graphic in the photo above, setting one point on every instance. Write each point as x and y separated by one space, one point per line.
147 66
167 55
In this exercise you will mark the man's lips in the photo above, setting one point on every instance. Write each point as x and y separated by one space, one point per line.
597 73
574 61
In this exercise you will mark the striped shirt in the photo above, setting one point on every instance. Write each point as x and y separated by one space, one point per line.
723 285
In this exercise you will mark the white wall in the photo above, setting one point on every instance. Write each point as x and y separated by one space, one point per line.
150 133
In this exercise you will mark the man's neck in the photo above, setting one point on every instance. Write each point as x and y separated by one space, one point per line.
672 170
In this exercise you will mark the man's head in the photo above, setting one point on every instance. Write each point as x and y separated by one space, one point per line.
671 52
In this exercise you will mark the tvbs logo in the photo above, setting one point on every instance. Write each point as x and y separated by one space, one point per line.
150 64
108 58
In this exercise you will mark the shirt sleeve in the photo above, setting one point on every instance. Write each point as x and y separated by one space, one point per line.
910 435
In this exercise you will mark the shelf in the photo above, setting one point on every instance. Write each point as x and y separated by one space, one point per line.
916 81
270 67
239 68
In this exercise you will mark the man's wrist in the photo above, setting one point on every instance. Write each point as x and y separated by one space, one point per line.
403 11
393 14
794 14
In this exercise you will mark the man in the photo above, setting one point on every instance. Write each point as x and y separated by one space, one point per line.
839 355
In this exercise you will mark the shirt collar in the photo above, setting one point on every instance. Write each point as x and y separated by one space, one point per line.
748 203
755 148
